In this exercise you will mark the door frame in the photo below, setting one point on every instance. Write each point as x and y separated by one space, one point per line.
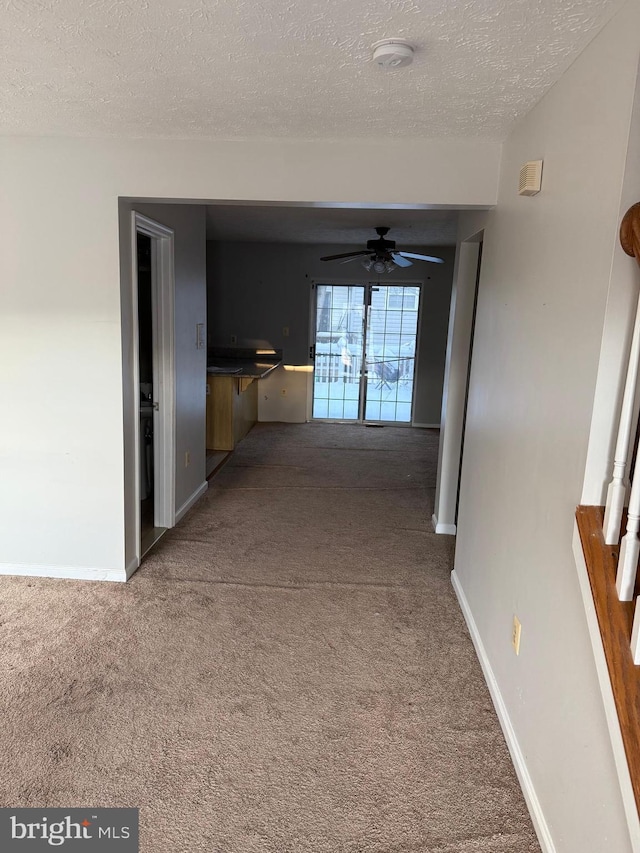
367 284
164 416
457 382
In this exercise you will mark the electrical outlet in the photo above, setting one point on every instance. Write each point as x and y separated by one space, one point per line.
187 459
515 635
234 339
284 392
285 331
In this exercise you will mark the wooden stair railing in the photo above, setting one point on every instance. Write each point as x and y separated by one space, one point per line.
611 561
615 620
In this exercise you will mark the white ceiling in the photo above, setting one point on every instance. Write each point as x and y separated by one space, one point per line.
280 68
323 226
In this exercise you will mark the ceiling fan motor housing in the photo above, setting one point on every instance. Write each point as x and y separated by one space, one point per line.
381 245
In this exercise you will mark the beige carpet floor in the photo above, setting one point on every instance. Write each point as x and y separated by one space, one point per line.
288 672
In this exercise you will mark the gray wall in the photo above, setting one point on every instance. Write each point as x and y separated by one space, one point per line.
256 289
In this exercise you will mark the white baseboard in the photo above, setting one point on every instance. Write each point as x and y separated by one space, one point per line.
449 529
77 574
530 796
186 506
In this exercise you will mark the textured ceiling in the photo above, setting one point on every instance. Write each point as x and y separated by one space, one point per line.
279 68
322 226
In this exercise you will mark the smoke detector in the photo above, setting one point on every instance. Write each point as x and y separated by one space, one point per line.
392 53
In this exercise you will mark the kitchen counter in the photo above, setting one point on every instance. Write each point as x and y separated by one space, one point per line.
241 367
232 396
247 363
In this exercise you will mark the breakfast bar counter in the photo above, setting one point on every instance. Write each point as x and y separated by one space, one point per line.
232 392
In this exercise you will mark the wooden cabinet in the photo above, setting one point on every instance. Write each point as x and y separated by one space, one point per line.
232 409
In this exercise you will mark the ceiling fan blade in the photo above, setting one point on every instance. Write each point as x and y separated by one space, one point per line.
399 260
354 258
420 257
346 255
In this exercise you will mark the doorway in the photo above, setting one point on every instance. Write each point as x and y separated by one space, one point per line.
365 348
468 378
153 380
146 401
457 382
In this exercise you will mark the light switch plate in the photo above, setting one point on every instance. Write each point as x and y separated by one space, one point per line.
515 635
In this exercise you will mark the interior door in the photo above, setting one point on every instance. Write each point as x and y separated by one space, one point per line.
365 351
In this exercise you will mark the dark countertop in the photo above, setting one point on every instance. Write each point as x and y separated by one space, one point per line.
241 367
235 361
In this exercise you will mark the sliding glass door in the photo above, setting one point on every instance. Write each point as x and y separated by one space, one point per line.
392 332
339 352
365 351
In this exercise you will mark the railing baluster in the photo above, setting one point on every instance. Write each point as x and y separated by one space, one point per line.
617 488
630 545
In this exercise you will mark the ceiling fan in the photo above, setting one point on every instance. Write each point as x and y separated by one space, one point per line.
382 255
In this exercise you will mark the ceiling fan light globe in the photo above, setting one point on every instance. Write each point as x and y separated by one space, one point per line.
379 266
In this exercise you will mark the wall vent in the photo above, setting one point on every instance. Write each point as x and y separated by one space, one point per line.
530 178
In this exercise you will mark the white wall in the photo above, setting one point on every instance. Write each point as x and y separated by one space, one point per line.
61 433
256 289
546 271
284 395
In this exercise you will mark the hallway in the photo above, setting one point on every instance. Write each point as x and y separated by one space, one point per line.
288 672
